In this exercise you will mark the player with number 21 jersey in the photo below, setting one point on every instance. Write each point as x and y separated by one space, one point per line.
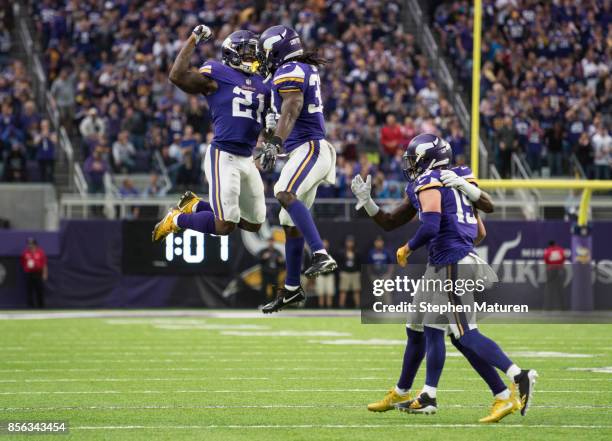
237 99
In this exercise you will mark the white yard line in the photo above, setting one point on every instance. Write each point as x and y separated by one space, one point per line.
344 426
269 391
265 406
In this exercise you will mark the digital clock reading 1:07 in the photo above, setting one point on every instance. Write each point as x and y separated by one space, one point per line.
189 246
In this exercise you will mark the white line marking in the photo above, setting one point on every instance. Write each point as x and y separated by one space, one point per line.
267 391
263 406
345 426
286 333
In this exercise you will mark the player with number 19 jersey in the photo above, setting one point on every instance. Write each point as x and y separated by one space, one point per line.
458 224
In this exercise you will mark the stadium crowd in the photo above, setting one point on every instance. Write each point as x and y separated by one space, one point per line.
108 61
546 87
27 142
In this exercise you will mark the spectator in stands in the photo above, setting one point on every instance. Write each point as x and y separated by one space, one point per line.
602 148
154 189
458 143
5 42
34 265
349 266
15 164
379 257
505 143
534 146
123 153
390 136
63 90
45 142
95 168
554 144
585 155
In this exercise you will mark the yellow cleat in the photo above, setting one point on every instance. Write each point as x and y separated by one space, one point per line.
187 202
389 401
165 226
502 408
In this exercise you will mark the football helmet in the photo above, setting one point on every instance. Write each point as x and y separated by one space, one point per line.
240 50
425 152
279 44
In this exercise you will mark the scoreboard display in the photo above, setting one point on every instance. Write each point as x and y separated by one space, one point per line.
184 253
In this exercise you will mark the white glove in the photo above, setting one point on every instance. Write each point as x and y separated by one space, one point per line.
450 179
362 191
271 121
202 33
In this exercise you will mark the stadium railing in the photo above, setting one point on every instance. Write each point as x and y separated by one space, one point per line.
78 206
44 99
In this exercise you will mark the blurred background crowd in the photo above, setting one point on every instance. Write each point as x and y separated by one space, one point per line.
545 85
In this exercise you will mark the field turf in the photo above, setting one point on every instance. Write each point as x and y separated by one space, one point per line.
249 377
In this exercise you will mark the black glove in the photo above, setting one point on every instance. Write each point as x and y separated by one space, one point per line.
270 150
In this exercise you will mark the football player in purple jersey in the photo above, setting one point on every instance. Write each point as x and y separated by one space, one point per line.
237 98
446 200
300 134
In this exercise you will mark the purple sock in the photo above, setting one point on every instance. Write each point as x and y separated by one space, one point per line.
486 349
485 370
301 217
436 354
413 356
203 206
294 251
203 221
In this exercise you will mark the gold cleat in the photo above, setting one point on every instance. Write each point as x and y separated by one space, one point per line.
502 408
165 226
187 202
389 401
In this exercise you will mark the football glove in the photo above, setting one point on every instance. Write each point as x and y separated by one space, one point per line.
451 179
271 122
201 33
363 192
270 150
402 255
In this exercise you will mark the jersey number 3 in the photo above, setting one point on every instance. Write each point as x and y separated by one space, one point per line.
315 82
243 102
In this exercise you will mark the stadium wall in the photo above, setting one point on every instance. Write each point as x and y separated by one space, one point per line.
88 267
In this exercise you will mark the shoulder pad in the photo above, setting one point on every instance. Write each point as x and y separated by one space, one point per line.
430 179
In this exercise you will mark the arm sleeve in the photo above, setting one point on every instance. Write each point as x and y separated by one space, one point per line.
430 226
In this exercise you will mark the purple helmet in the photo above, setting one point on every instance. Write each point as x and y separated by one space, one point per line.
279 44
425 152
240 51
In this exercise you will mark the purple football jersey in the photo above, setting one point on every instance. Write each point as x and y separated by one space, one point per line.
236 107
458 226
300 77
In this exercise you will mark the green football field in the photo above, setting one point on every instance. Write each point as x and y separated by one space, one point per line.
242 376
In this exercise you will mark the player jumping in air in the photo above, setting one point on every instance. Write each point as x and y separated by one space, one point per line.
237 98
446 203
300 133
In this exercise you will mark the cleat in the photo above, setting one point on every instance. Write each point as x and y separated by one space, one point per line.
187 202
165 226
502 408
389 401
421 404
321 264
525 381
284 299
